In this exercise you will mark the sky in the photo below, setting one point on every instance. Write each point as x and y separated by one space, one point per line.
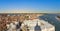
29 6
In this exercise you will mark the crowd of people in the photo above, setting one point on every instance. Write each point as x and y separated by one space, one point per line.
16 23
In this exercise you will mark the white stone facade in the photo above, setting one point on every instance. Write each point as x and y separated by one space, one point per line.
45 26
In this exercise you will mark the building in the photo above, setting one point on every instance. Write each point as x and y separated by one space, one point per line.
35 22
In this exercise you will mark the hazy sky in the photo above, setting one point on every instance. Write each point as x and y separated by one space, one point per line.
32 6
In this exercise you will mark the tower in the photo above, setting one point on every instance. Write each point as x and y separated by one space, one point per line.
37 27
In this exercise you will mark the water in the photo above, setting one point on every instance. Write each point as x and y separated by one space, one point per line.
52 20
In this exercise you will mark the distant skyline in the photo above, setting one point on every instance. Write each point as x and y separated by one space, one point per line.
29 6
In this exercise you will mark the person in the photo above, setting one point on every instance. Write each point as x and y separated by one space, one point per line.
31 23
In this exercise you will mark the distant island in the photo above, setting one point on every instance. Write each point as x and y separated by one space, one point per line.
58 18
